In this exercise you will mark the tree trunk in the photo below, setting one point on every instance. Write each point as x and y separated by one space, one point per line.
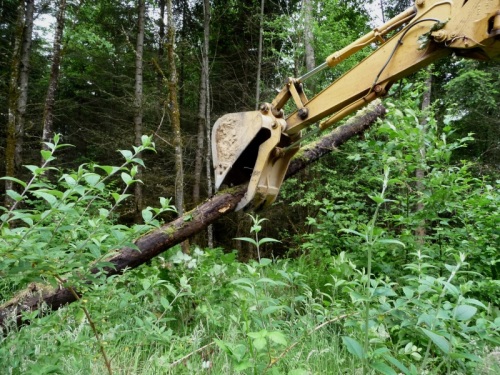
48 111
382 10
259 57
161 52
18 92
138 110
156 242
202 106
208 156
202 112
175 117
308 35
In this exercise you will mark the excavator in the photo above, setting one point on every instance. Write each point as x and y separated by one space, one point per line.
256 147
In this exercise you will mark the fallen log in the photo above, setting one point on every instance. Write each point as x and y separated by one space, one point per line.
175 232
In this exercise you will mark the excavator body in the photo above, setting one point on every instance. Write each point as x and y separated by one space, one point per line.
256 147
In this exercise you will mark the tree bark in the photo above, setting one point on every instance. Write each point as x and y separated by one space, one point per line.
18 92
308 35
179 230
175 116
208 131
139 51
161 51
202 110
48 111
259 55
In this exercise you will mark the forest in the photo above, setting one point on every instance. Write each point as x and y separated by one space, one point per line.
380 255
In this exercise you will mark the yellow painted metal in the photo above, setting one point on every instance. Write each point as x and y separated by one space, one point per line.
373 36
246 146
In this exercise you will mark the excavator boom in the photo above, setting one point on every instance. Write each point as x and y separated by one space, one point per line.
256 147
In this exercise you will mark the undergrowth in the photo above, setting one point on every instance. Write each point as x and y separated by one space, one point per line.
365 296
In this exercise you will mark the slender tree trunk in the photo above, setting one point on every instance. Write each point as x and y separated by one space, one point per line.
48 112
259 57
308 35
206 70
202 112
138 103
161 52
420 173
307 8
202 105
10 166
18 92
175 118
383 10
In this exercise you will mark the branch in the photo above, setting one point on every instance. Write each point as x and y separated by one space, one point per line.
175 232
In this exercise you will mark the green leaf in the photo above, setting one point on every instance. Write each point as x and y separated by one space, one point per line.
265 261
119 197
91 178
266 240
47 155
408 292
246 239
465 312
36 170
353 232
383 368
127 154
391 241
441 342
127 178
139 161
14 195
109 169
256 335
16 180
165 304
147 215
146 141
474 301
259 343
271 309
48 197
397 363
50 145
353 347
277 337
377 199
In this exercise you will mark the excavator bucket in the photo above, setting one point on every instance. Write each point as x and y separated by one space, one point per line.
246 147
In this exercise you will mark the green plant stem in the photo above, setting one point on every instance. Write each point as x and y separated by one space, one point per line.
92 326
187 356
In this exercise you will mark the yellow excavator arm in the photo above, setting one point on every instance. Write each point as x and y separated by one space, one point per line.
256 147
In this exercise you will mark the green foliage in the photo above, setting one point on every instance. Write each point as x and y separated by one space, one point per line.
421 300
57 230
256 228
